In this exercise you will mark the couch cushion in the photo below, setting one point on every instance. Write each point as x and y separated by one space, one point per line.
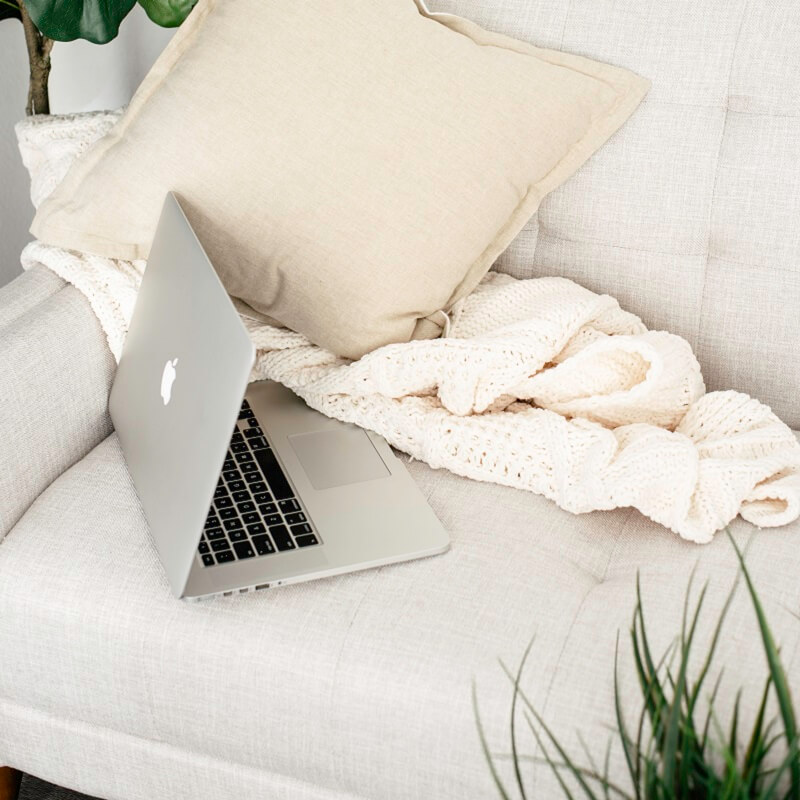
354 197
359 683
689 216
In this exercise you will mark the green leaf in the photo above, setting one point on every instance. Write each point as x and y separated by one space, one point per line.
777 673
485 747
96 21
514 752
9 10
167 13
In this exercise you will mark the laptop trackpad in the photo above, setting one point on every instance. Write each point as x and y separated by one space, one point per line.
338 457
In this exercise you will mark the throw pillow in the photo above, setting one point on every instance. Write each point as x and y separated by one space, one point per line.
352 169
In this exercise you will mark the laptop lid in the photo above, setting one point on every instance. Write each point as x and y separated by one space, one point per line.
178 389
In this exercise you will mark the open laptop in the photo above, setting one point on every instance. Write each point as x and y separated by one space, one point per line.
292 495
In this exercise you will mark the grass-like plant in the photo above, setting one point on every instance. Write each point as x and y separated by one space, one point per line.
672 753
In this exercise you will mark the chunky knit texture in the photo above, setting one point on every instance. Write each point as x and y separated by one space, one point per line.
539 384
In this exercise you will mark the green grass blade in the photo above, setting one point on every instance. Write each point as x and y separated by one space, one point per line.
553 740
673 723
695 694
485 746
769 792
754 753
554 766
776 671
630 756
514 753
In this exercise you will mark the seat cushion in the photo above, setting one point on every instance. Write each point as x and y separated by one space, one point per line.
359 683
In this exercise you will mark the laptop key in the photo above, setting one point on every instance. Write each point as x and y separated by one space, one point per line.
237 536
306 541
220 491
299 530
263 497
251 518
258 444
296 518
208 560
247 505
258 487
236 486
228 513
252 422
238 447
267 508
232 475
229 463
280 535
237 437
253 477
243 458
232 524
287 506
220 544
241 497
251 466
215 533
274 474
212 521
223 502
273 519
225 557
263 545
203 548
245 413
251 433
256 528
244 550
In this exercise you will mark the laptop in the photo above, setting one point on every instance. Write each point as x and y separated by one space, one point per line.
245 487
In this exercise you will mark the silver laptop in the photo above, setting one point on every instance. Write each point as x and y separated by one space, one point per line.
244 486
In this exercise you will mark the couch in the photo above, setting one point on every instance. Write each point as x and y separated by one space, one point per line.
360 686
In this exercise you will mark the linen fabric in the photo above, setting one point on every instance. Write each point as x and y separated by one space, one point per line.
689 217
351 169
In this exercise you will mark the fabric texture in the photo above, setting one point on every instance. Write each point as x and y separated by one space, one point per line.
55 369
358 686
365 176
689 217
539 384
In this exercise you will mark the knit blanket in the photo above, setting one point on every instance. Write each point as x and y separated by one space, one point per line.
538 384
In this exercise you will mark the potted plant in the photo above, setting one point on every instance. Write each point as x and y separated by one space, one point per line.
47 21
673 752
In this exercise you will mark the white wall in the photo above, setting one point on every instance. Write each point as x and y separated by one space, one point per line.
84 77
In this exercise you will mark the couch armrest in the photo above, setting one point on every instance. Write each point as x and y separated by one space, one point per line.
55 375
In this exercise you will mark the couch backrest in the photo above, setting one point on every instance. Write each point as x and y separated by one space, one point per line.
690 215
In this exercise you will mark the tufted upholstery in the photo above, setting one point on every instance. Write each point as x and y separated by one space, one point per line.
690 215
359 686
354 687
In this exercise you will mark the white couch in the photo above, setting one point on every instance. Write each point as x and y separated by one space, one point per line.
359 686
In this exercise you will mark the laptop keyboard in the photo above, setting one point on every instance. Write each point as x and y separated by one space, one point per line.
255 511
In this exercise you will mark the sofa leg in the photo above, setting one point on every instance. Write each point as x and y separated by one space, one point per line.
10 780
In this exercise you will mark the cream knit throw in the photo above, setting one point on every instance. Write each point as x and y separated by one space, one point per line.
539 384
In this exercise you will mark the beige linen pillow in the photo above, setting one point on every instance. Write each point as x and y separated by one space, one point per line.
351 168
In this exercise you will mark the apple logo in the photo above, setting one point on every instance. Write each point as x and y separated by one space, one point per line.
167 379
